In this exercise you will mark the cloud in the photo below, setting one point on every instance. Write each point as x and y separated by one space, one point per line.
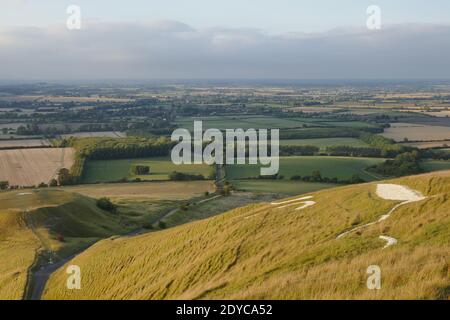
171 49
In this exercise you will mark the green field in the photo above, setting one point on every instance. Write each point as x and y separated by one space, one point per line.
114 170
339 167
286 187
435 165
324 142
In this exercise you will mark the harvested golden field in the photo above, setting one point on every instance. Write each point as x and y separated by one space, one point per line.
171 190
316 246
29 167
24 143
429 144
109 134
416 132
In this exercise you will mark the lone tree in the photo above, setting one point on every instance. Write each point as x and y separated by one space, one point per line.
107 205
64 177
4 185
141 170
53 183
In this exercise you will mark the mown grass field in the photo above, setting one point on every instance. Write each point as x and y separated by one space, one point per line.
339 167
435 165
160 168
262 251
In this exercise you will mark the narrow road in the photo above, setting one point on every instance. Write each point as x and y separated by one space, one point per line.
40 278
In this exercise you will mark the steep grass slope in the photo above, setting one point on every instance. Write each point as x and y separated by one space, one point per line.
50 222
268 251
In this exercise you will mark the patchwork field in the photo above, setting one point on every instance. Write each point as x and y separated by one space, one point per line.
339 167
416 132
29 167
160 168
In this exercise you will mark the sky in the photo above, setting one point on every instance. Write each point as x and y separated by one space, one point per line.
139 39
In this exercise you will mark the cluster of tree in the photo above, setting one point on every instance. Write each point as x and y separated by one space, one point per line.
298 150
387 147
404 164
4 185
35 129
316 176
107 205
355 151
122 148
64 178
316 133
180 176
435 154
141 170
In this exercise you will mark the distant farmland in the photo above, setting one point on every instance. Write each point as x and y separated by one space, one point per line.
29 167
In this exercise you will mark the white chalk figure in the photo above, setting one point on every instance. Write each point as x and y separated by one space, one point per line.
390 192
295 202
390 241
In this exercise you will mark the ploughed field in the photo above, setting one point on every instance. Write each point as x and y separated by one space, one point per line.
30 167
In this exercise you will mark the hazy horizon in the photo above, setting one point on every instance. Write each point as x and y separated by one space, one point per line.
268 40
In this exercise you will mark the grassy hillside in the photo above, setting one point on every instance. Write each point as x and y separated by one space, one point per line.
262 251
46 222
